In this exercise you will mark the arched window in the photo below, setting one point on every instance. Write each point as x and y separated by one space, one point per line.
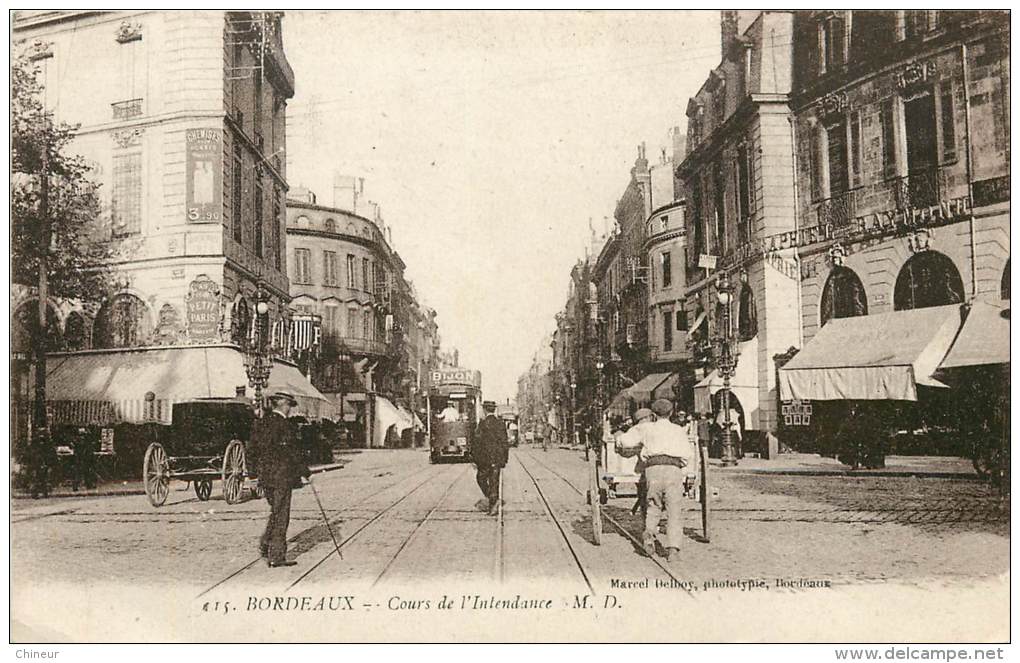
26 324
928 279
1004 286
76 331
240 321
747 316
843 295
122 322
330 226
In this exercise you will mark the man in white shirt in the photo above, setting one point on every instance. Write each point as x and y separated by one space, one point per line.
666 452
450 414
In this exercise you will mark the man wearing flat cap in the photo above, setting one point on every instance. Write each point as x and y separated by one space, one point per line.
665 450
489 453
280 466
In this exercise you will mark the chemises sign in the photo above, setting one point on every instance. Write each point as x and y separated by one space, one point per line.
204 175
796 413
455 376
203 310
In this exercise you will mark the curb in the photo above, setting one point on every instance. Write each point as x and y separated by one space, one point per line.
920 474
136 491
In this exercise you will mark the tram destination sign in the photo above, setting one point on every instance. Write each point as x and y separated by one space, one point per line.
455 376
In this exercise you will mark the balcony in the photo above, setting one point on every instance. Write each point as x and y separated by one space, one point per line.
125 110
356 346
916 190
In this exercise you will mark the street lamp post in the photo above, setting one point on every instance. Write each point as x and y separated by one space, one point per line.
574 437
726 363
343 356
257 360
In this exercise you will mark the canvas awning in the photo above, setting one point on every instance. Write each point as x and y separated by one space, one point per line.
983 340
386 415
873 357
743 384
643 392
105 387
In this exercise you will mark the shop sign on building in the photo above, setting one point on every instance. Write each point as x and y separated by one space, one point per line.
204 175
203 310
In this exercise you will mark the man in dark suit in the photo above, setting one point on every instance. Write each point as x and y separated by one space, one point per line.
279 463
489 453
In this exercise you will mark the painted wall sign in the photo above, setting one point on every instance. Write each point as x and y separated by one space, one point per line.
203 310
204 174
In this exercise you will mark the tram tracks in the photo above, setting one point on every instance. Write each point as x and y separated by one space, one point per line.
419 526
552 516
613 521
349 538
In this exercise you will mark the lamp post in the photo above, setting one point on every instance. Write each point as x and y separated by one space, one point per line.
342 357
726 363
574 437
257 360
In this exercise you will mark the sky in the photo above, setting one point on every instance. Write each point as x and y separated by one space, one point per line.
489 139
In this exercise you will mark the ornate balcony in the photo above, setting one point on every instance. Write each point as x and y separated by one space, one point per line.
125 110
919 189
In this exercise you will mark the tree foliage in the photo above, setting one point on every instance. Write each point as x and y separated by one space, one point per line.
76 254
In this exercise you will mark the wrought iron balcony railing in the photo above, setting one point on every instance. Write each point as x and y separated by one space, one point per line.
125 110
918 189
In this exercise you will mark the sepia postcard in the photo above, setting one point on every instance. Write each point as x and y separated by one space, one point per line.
510 326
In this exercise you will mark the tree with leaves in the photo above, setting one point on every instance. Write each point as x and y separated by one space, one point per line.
55 242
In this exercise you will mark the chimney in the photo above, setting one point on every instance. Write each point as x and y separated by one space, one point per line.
345 195
729 28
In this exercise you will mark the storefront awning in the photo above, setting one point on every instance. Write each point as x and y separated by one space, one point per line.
643 392
983 340
743 384
386 415
872 357
105 387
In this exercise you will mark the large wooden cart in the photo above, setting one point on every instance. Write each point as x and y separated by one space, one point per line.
205 441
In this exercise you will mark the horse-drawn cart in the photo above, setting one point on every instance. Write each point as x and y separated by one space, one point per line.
205 441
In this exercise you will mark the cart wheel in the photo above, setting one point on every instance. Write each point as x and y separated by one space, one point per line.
156 474
596 507
233 472
203 489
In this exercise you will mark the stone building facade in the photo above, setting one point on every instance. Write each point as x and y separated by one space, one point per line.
183 119
738 177
903 161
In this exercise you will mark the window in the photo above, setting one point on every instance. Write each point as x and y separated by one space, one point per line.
257 102
364 273
927 279
329 268
719 191
838 180
664 222
856 148
278 221
747 316
331 321
947 116
131 78
832 43
366 325
236 202
667 331
817 162
370 282
888 120
917 22
127 195
350 272
330 226
257 224
666 267
681 319
743 171
843 295
352 322
302 266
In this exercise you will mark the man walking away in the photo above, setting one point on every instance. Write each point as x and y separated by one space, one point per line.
280 465
665 450
489 453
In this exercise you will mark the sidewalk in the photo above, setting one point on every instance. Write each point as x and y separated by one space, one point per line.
115 488
949 467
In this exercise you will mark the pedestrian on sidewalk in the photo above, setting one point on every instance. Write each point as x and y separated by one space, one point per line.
665 450
490 453
280 466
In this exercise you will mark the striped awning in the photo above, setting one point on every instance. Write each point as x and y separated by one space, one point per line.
138 386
